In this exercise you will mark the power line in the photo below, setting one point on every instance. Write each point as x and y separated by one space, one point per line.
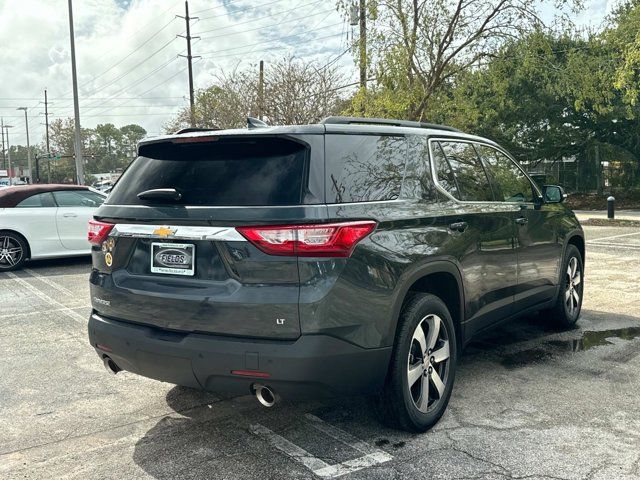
253 20
153 88
220 6
148 57
265 26
138 81
139 30
135 50
275 40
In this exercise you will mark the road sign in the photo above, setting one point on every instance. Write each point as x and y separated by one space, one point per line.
4 173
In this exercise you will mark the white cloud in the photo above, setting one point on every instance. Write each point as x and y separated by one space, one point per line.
127 50
128 68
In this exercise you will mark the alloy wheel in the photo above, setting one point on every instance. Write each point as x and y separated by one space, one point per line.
428 363
573 289
10 251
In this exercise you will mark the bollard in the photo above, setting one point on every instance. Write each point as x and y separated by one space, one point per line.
611 207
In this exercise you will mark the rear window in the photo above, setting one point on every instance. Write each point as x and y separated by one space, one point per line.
364 168
233 171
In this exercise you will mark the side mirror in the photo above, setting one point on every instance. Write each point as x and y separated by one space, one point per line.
553 194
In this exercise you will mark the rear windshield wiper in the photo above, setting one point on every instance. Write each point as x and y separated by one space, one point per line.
160 194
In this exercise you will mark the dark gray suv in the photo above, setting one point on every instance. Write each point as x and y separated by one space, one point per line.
352 256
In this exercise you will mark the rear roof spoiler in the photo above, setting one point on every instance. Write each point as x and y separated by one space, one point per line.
196 129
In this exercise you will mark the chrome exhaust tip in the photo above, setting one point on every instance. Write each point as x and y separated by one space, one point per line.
111 366
265 395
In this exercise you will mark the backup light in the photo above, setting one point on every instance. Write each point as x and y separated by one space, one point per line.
319 240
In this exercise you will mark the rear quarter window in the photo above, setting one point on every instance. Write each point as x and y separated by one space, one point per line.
228 172
39 200
364 168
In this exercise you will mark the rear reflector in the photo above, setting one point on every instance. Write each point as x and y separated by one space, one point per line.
98 231
319 240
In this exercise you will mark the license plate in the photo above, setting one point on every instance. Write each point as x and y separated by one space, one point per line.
173 258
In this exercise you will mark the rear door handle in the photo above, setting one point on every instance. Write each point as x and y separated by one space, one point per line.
522 220
458 226
70 215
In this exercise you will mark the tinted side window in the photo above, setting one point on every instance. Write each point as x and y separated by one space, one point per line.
94 197
362 168
444 172
77 198
38 200
417 177
471 179
509 183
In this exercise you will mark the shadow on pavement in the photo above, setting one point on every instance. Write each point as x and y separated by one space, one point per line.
212 439
58 265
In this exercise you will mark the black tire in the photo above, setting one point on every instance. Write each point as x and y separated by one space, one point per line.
397 403
13 251
564 314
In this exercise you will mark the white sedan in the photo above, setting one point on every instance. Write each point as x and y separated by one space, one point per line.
45 221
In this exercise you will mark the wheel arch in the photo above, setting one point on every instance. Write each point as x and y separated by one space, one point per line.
576 239
439 278
22 236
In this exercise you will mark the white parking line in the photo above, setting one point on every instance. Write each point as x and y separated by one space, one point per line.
372 456
613 236
46 298
342 436
299 454
44 279
41 312
616 245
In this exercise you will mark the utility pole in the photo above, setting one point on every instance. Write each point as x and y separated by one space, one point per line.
4 158
76 103
46 123
189 57
7 127
261 91
363 44
26 126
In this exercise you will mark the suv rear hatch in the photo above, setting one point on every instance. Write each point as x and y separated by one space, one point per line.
174 259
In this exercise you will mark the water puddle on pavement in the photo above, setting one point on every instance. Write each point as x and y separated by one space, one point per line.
551 348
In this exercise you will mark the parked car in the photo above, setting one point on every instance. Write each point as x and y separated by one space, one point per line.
44 221
353 256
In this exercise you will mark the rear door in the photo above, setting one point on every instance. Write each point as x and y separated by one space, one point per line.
75 209
179 263
35 218
483 231
538 246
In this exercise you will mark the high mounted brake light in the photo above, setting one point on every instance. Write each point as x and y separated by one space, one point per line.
200 139
318 240
98 231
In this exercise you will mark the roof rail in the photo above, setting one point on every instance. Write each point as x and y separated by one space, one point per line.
385 121
196 129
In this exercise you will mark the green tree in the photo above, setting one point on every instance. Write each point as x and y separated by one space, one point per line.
549 96
295 92
417 48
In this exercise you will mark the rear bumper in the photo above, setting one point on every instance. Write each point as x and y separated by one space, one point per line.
312 365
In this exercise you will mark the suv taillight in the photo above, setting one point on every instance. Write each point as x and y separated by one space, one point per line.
318 240
98 231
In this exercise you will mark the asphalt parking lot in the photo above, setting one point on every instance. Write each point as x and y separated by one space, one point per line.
529 402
